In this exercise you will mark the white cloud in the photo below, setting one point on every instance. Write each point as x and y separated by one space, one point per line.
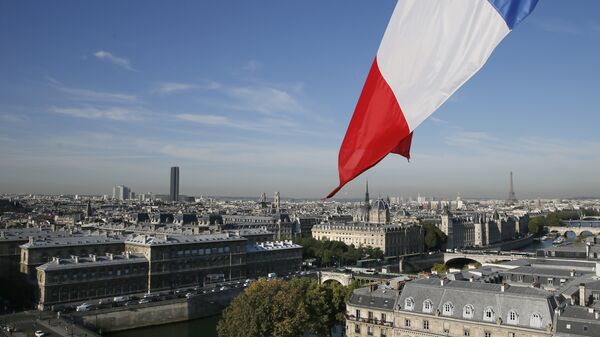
12 118
205 119
98 96
553 25
266 100
111 113
172 87
109 57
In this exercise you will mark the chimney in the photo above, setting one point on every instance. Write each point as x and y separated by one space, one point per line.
93 257
596 314
76 259
572 273
471 279
587 250
582 297
442 282
31 240
110 256
597 269
503 287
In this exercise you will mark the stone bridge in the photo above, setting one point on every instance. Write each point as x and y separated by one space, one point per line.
577 230
344 279
486 257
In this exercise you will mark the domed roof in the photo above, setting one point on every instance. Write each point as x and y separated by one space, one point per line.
380 205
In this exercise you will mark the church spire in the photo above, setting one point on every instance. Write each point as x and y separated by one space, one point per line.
367 194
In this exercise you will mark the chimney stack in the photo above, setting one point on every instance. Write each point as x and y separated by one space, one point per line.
582 297
572 273
503 287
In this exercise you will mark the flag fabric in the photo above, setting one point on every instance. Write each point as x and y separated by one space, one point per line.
429 49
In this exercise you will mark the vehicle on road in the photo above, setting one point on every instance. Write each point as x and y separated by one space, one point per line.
84 307
39 333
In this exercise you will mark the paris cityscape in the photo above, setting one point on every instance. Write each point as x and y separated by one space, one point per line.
393 168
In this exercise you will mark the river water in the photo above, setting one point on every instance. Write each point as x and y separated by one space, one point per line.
204 327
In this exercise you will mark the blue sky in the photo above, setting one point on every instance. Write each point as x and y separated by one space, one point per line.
250 96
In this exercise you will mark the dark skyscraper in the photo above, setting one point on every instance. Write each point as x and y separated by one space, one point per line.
512 198
174 195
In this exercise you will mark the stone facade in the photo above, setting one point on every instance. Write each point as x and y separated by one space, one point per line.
393 240
434 307
478 229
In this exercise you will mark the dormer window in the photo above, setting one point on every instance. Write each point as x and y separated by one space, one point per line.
468 311
409 304
448 309
512 317
536 320
427 306
488 315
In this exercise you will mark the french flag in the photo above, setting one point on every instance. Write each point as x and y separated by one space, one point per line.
429 50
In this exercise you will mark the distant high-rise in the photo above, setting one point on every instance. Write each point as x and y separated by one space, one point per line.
174 195
512 198
121 192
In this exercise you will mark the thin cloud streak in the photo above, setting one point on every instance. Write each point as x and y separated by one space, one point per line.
109 57
110 113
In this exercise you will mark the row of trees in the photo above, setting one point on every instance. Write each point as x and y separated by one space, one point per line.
328 253
536 224
285 309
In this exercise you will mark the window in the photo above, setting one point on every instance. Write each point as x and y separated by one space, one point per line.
357 313
585 328
357 328
466 332
488 315
448 309
383 332
409 303
427 306
468 311
370 330
370 315
487 334
383 317
568 326
536 320
512 334
512 317
426 325
407 323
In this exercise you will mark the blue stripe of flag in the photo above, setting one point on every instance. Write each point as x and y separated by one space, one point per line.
514 11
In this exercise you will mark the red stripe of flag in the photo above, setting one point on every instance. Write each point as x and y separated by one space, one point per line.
377 128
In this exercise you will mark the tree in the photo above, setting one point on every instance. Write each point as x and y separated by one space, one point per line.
266 308
536 225
284 309
440 268
434 237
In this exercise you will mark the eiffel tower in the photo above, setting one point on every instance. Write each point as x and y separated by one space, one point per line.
512 198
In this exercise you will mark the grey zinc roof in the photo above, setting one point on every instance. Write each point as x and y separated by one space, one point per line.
524 300
164 239
577 321
378 298
71 241
85 262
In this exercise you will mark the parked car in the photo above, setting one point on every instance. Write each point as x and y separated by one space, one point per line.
144 300
39 333
84 307
121 299
189 295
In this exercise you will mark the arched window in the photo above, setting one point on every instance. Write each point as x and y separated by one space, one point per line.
427 306
536 320
468 311
512 317
488 314
409 304
448 309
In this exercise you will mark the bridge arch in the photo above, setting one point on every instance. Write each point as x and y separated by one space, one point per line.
344 279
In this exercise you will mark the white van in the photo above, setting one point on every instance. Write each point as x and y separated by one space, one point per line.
83 307
121 299
272 275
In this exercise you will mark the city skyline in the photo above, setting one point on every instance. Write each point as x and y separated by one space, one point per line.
84 109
